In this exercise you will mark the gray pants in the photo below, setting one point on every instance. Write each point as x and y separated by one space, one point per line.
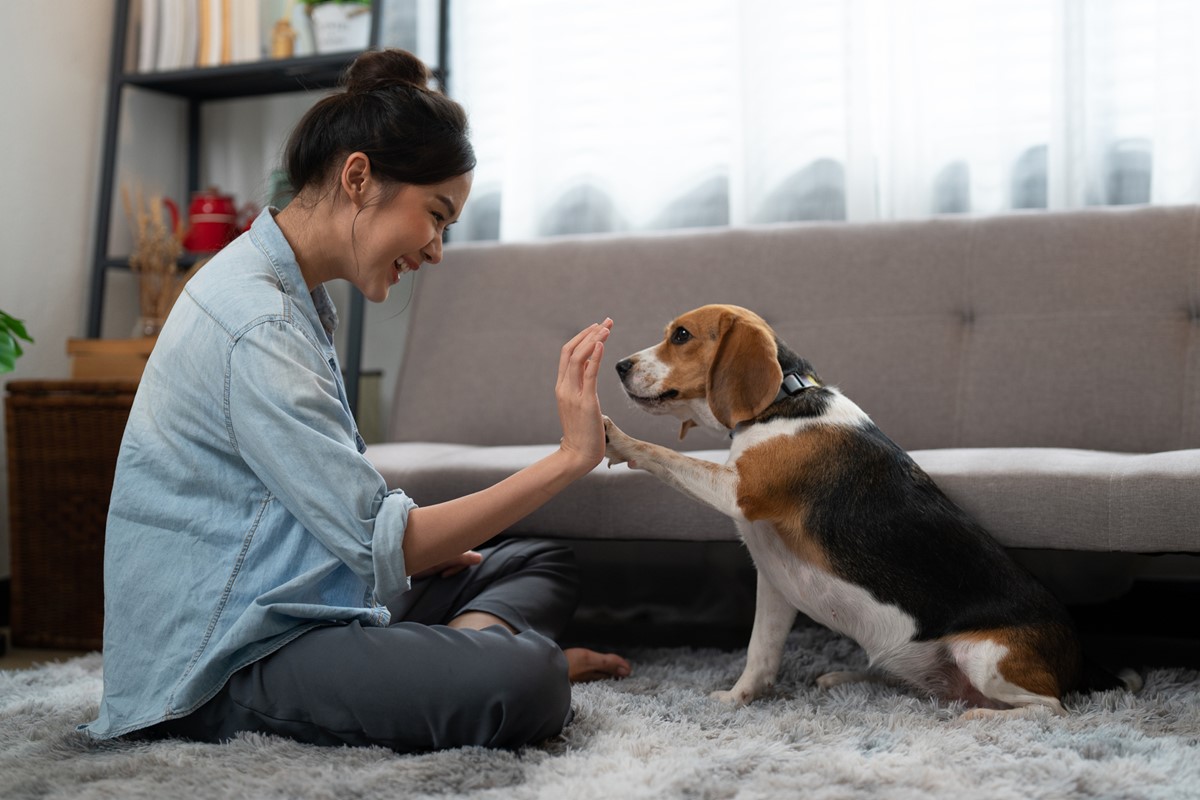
418 685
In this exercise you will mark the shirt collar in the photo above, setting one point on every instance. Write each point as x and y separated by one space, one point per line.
317 304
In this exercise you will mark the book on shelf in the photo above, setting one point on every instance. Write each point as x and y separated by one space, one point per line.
170 35
165 35
147 34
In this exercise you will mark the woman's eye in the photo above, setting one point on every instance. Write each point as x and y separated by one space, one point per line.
680 336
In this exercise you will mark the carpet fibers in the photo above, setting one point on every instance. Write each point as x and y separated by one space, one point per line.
654 735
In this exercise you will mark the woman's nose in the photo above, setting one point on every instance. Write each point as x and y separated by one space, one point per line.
433 250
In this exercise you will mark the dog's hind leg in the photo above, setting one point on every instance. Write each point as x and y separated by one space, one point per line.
773 618
1024 712
837 678
1012 679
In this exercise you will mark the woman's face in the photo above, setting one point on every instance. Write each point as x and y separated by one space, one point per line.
401 234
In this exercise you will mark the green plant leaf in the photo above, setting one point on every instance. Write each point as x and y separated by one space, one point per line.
8 352
11 324
11 329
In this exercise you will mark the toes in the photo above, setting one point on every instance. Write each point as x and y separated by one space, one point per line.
585 665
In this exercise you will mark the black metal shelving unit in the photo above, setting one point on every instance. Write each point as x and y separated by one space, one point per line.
201 85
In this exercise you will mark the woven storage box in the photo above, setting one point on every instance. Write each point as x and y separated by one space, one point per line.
63 438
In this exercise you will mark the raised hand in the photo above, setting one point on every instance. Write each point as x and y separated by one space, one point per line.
575 390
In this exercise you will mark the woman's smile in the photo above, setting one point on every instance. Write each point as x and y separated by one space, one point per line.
402 265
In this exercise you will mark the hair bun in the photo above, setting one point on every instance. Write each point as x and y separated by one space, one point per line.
411 133
381 69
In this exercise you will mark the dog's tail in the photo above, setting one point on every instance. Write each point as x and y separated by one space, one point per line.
1097 678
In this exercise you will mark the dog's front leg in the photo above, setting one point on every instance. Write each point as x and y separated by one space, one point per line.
773 619
710 483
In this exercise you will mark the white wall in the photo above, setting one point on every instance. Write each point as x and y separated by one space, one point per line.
55 57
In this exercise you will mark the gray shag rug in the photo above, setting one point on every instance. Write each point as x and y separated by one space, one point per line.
654 735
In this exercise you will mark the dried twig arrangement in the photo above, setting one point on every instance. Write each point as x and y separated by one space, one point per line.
155 259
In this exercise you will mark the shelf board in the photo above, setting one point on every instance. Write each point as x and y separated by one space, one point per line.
187 260
247 80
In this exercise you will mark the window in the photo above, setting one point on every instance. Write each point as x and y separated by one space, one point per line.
629 115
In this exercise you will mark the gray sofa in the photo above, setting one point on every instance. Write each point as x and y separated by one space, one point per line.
1043 367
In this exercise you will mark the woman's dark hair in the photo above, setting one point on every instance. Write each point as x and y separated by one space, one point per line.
412 133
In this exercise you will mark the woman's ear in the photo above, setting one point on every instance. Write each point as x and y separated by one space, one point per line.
745 376
356 177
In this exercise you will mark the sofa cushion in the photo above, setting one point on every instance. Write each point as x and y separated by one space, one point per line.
1041 498
607 504
1067 329
1062 499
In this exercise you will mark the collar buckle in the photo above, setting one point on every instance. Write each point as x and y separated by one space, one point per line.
793 384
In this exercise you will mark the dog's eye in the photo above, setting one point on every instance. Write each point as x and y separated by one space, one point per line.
680 336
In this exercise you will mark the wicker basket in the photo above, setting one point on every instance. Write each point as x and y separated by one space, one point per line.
63 439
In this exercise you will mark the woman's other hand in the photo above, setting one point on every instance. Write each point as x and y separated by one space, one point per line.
578 405
453 566
587 665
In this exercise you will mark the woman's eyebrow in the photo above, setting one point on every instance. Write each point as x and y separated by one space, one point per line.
449 206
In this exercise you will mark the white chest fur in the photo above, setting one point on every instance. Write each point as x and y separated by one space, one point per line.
884 631
841 411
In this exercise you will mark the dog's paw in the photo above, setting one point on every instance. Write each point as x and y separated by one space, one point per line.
832 679
614 443
613 458
734 698
1024 712
611 431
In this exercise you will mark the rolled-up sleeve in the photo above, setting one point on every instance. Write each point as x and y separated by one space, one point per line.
388 537
288 423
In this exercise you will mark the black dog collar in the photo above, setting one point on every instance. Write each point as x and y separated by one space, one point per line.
794 383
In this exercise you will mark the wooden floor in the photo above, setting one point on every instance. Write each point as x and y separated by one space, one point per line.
26 657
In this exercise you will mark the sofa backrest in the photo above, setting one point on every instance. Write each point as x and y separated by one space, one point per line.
1056 329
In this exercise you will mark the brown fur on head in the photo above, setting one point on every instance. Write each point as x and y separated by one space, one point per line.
745 376
723 354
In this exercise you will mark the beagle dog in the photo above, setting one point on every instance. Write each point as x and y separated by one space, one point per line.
844 526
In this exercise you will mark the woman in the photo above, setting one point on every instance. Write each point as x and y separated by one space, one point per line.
257 569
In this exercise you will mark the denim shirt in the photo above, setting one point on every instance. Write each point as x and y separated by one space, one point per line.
243 512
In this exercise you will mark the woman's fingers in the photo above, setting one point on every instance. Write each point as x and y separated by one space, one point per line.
578 404
462 562
581 353
568 349
592 369
578 385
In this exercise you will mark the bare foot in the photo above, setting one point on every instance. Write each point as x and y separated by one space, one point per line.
587 665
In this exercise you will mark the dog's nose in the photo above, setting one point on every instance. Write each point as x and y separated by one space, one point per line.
623 366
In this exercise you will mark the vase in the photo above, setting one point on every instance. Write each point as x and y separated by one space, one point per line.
338 27
147 326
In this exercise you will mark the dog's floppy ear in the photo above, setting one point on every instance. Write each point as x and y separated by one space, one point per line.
745 376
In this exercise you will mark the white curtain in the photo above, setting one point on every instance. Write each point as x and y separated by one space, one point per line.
647 114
